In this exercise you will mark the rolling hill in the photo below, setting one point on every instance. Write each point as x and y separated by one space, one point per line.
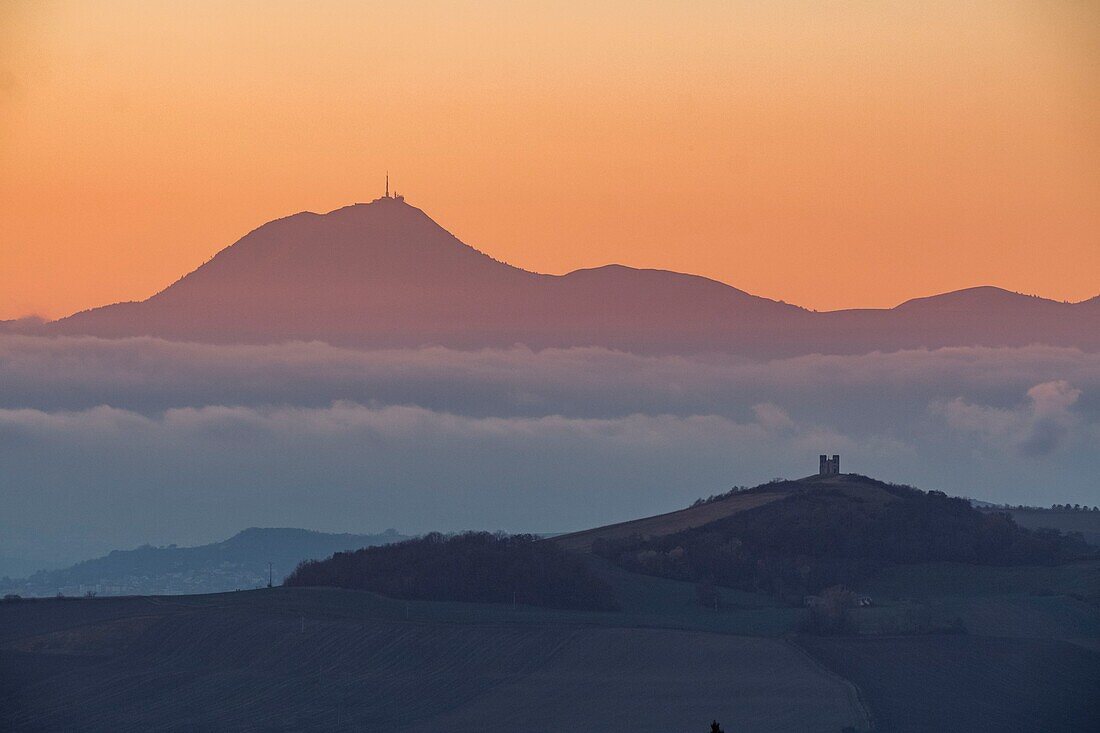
238 562
790 538
384 274
705 512
669 523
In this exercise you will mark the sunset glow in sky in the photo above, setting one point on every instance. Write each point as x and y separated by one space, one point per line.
831 155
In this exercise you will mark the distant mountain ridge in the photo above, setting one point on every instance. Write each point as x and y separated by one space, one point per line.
240 562
384 274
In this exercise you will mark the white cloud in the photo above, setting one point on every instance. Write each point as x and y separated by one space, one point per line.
772 417
150 375
1037 428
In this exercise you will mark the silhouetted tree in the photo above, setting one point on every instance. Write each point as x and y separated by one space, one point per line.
714 727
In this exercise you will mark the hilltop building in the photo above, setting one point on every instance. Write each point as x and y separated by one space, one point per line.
828 466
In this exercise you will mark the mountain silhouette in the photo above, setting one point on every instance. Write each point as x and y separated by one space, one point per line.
384 274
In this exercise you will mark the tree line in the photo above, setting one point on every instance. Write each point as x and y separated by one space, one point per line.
470 566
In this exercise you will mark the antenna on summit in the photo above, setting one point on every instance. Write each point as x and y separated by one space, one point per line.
395 196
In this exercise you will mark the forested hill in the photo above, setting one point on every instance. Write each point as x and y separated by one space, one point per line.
471 566
834 530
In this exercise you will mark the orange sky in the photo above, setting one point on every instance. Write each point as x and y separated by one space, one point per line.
828 154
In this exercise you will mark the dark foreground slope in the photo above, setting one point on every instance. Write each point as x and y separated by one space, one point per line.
328 659
309 659
334 660
384 274
968 683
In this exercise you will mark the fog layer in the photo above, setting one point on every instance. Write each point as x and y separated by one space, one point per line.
110 443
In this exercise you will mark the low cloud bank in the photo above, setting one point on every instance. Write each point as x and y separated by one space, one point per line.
150 375
111 443
1037 428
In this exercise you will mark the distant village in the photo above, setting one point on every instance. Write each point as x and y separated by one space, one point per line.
227 577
